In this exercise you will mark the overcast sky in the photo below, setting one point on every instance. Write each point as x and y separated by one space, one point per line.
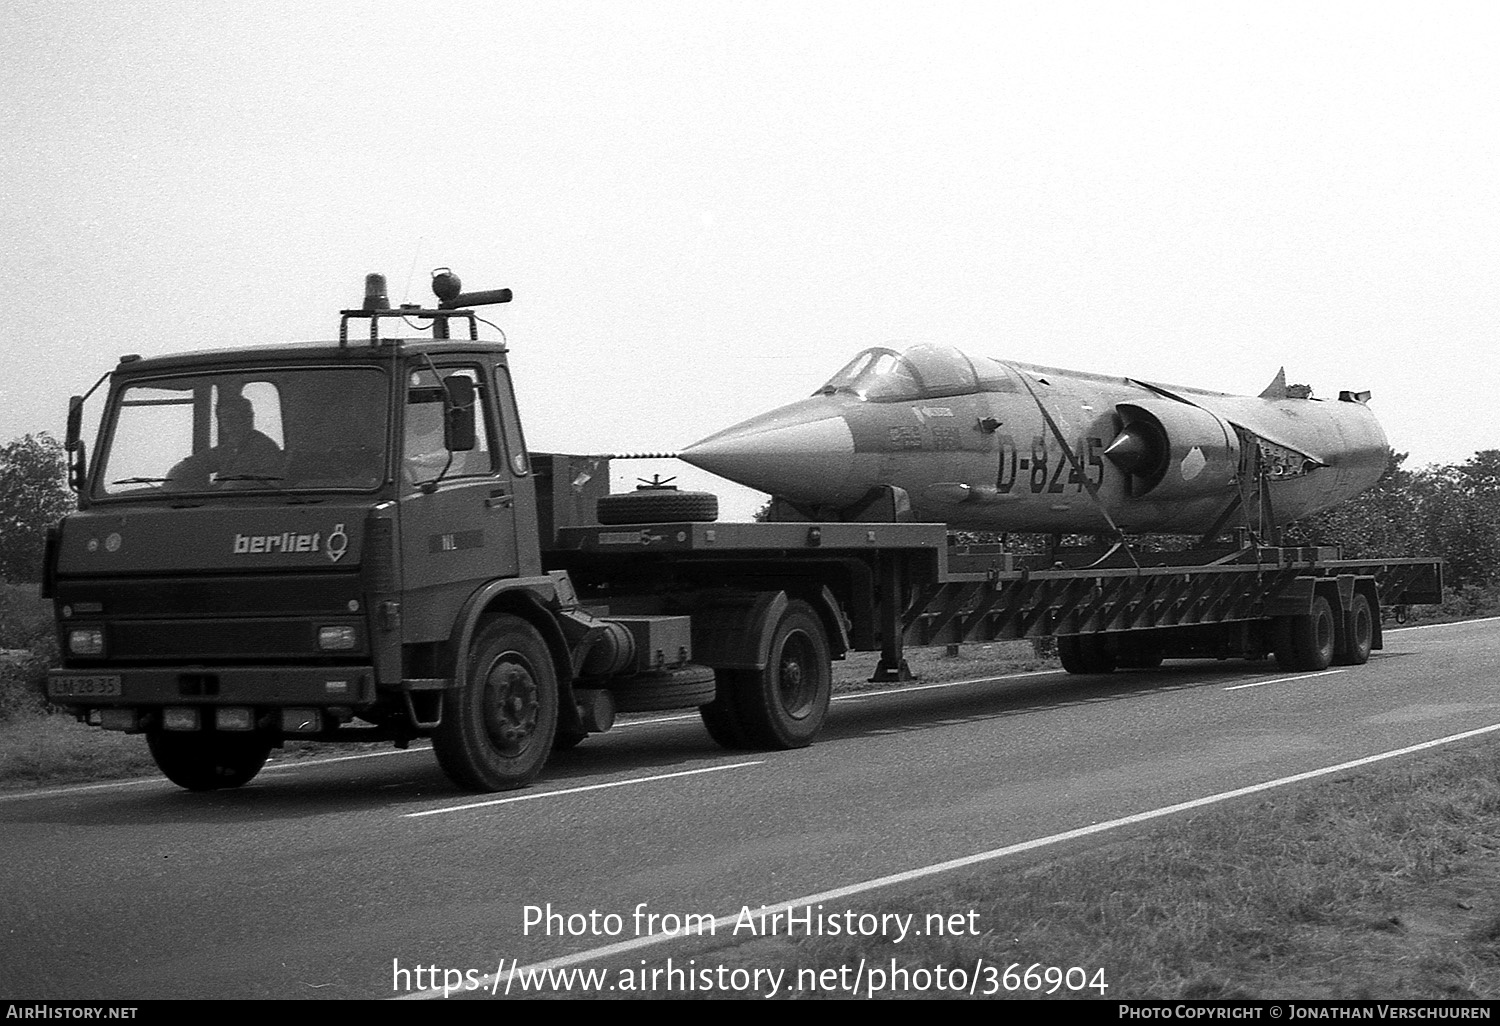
706 208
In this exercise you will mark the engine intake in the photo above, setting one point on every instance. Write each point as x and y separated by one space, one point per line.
1170 450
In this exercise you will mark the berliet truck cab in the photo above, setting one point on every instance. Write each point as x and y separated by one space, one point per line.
338 541
275 540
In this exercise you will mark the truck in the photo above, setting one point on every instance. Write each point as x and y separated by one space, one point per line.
350 541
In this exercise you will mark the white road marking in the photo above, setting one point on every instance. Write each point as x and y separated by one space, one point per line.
533 795
59 792
650 940
291 763
272 765
882 693
1282 680
1450 623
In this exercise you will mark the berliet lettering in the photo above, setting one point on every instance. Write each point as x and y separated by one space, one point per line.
287 541
284 542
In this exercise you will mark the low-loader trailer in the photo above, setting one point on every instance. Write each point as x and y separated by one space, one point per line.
350 541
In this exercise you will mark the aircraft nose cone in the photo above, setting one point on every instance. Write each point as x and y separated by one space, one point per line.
803 452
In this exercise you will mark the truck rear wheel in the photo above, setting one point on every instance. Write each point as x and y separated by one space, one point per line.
497 731
784 705
1306 642
1084 653
208 760
1355 642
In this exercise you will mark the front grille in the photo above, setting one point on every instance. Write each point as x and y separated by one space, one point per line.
213 639
289 594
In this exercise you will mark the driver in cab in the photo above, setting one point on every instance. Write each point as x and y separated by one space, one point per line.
244 457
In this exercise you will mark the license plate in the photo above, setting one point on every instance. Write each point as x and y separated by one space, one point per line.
104 686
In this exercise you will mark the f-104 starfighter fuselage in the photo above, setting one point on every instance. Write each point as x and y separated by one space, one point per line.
996 445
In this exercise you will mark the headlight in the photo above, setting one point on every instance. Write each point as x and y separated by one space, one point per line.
338 639
86 642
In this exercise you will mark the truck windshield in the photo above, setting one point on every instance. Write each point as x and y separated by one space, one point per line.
262 430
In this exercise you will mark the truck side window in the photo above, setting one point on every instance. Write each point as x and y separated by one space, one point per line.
423 455
510 421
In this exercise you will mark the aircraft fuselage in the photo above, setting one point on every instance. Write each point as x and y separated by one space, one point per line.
994 445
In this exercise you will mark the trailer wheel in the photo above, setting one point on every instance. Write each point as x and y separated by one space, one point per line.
783 705
721 717
208 760
1084 653
498 730
1354 647
658 506
1306 642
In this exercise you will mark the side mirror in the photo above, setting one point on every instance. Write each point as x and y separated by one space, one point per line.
75 422
458 424
78 465
78 468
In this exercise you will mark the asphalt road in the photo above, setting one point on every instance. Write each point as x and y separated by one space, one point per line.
322 879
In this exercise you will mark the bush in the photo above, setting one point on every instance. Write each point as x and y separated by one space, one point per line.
27 635
25 618
23 685
1470 600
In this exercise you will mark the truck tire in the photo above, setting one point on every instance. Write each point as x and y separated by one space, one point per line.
1355 642
1084 653
721 717
208 760
658 506
784 704
497 730
1306 642
690 685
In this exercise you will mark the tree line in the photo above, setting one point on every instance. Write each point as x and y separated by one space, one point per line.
1449 511
34 496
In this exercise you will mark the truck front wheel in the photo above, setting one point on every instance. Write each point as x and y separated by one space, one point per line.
784 704
498 730
207 760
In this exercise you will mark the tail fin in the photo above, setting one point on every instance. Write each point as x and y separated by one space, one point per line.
1277 388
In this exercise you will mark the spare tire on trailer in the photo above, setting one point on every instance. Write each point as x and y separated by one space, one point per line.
681 688
657 506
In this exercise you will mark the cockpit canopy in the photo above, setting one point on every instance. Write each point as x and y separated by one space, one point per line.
925 371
